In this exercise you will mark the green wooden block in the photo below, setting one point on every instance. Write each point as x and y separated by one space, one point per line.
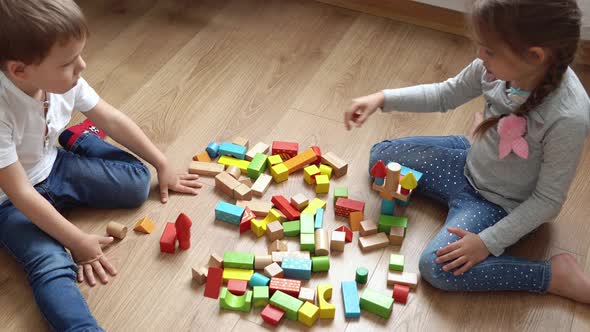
287 303
229 301
386 222
238 260
377 303
307 223
261 295
362 274
320 263
291 228
257 165
396 262
340 192
307 242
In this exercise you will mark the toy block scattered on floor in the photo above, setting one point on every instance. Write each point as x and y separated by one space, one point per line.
274 231
278 257
200 274
346 231
320 263
273 271
258 227
308 314
279 173
351 300
299 161
408 183
203 156
214 282
257 166
283 205
237 287
230 161
386 222
402 278
238 140
344 206
247 182
392 177
355 218
242 192
291 228
258 279
168 239
327 310
307 295
387 207
238 260
307 224
145 225
226 183
260 147
396 235
368 227
340 192
401 293
318 153
307 242
116 230
322 242
183 231
260 296
373 242
205 168
278 245
377 303
232 150
289 304
215 260
296 268
337 241
325 170
287 286
396 262
229 301
286 150
259 208
261 185
309 174
339 166
299 201
212 149
315 204
237 274
319 219
272 315
379 172
362 275
246 221
274 160
234 171
322 184
229 213
277 215
262 261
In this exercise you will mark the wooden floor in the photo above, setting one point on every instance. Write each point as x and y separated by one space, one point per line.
280 70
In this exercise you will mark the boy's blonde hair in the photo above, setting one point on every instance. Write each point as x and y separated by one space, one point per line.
30 28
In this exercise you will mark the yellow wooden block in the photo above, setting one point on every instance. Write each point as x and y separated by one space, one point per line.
308 314
279 173
277 215
315 204
145 225
274 160
322 184
324 293
326 170
203 156
258 226
237 274
310 171
230 161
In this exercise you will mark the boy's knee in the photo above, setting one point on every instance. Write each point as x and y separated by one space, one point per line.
50 266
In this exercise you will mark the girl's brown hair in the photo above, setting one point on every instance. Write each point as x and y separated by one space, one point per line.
30 28
553 25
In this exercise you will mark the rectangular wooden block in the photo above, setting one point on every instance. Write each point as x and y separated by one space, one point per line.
337 242
351 299
287 286
277 256
237 274
259 208
339 166
238 260
203 156
299 161
368 227
289 304
402 278
396 235
214 282
355 219
260 147
261 185
230 161
372 242
262 261
205 168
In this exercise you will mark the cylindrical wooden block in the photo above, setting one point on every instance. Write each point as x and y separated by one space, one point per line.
116 230
320 263
234 171
362 274
322 242
262 261
392 179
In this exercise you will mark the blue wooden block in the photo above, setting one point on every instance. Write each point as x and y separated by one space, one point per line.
405 170
319 218
258 279
387 207
296 268
402 203
350 297
229 213
379 181
232 150
212 149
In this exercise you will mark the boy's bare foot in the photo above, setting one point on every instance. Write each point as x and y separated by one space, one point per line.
568 279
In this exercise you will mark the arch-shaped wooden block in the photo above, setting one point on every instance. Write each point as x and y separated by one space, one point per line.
324 293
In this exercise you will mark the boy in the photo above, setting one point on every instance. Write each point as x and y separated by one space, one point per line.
40 64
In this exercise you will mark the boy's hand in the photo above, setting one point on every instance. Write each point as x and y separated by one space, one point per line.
464 253
361 108
182 183
90 259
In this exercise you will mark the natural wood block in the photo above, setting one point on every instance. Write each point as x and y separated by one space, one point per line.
234 171
338 241
273 271
339 166
205 168
322 242
238 140
307 294
261 185
116 230
299 201
262 261
242 192
260 147
247 182
372 242
403 278
396 235
215 260
278 246
274 231
259 208
226 183
368 227
200 274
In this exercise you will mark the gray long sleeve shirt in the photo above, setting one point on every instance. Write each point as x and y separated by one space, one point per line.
531 190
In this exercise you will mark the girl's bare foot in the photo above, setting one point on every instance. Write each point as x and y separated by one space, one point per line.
568 279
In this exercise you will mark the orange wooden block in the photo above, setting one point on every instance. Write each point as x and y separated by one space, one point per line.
355 220
203 156
145 225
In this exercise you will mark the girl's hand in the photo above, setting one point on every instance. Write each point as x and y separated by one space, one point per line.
361 108
87 253
182 183
464 253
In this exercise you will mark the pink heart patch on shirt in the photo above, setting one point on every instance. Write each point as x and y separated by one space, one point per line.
512 129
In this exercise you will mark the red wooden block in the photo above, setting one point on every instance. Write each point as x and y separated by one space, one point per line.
214 282
287 150
246 220
183 231
379 170
318 154
272 315
284 206
168 239
348 237
287 286
400 293
344 206
237 287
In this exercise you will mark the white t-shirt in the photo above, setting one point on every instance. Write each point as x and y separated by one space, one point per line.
22 126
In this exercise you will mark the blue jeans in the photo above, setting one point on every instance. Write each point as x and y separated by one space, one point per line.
94 174
442 160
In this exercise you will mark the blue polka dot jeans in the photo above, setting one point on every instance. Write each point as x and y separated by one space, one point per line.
442 160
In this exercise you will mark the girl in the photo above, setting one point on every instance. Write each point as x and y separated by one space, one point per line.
524 155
